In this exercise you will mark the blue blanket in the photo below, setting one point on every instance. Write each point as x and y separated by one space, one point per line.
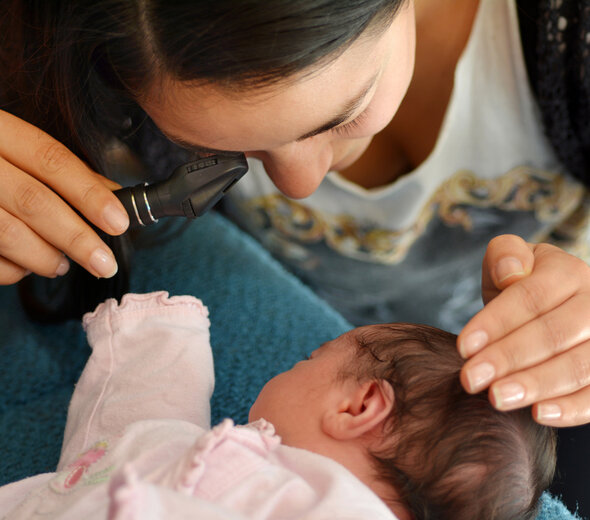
262 321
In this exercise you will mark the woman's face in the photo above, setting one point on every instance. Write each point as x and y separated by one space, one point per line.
303 128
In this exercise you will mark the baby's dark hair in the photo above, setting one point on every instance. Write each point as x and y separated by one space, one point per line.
454 455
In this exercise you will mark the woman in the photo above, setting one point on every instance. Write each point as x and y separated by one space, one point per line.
286 85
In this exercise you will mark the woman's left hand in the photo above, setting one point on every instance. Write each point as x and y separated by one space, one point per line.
530 344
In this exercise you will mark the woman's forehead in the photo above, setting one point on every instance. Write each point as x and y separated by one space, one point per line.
211 116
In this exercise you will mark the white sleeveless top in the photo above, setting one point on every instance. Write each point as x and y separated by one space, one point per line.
412 250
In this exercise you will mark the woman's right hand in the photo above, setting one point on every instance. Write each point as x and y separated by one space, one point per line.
40 182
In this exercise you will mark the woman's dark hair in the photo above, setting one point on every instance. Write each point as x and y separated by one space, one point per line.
454 456
76 69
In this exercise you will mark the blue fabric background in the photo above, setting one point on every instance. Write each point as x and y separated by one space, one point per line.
262 321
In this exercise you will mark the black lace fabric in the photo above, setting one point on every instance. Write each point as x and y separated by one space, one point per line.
556 40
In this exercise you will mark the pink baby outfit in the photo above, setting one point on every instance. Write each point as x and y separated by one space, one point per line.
138 443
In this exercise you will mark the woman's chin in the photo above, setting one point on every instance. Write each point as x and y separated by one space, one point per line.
345 163
351 157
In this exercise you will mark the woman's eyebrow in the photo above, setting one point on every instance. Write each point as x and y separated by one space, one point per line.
348 110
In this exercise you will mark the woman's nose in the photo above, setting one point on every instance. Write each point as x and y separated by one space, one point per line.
297 169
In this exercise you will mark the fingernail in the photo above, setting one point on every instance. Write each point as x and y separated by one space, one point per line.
473 343
63 267
508 394
548 412
103 263
480 376
115 218
508 267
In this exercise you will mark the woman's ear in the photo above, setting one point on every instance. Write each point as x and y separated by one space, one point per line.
363 407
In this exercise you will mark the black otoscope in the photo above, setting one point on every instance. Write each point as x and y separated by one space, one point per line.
190 191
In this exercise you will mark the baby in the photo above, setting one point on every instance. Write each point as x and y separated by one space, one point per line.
373 425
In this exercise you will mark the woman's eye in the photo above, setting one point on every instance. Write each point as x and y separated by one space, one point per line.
349 127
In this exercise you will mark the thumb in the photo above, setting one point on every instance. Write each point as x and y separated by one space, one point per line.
508 258
110 184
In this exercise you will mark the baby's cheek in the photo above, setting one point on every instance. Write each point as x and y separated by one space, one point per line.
259 409
251 415
254 413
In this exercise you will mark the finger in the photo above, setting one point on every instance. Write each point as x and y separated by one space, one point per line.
556 277
11 273
544 338
569 410
32 202
559 389
21 247
110 184
49 161
507 259
560 376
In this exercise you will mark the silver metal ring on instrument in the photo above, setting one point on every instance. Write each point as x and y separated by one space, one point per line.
147 205
135 209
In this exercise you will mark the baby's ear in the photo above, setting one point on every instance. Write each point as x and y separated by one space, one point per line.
363 407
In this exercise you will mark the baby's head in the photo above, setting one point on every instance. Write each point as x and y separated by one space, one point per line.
386 402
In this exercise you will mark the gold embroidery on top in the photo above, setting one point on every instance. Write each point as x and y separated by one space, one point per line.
550 196
573 234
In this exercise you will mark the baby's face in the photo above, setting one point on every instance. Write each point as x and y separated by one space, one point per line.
293 401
